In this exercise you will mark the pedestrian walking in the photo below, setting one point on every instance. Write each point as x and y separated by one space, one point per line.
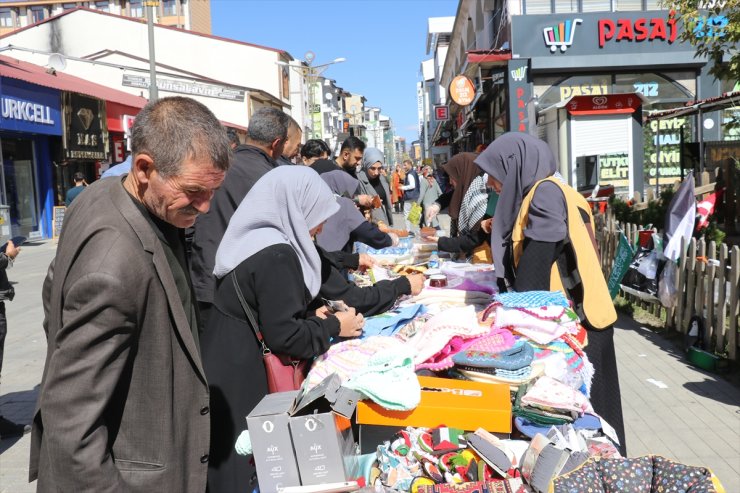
429 192
7 293
537 235
410 187
396 193
123 403
72 193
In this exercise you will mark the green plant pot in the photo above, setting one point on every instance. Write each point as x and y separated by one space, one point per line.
703 359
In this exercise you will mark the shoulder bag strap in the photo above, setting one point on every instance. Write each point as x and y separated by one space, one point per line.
248 313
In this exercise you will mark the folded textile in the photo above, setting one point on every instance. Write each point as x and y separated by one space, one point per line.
542 325
441 328
532 299
443 359
389 380
388 323
349 357
520 373
514 358
495 341
530 428
548 392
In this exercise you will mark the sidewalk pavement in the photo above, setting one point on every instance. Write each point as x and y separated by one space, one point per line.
670 408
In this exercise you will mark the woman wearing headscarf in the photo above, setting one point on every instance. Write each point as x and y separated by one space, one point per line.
544 227
348 225
268 247
461 171
373 184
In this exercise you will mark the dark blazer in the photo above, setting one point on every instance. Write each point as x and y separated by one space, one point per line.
124 403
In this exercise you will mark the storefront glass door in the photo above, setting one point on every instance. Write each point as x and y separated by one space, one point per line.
20 185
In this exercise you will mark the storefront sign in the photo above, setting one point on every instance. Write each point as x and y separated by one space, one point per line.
598 89
498 77
607 104
596 34
441 112
664 135
29 108
462 90
520 91
185 87
641 29
614 169
85 127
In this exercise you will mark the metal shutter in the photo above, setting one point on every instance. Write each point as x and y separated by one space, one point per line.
598 135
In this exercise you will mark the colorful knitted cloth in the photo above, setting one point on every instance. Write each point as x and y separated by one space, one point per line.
441 328
349 357
494 341
389 380
542 325
532 299
548 393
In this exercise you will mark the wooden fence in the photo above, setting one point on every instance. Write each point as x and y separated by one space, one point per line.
707 286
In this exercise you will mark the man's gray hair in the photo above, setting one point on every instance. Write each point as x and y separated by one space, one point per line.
173 130
268 124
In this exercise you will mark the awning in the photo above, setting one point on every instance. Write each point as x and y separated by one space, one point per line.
728 100
35 74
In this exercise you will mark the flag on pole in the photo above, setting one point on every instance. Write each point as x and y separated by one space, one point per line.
679 221
622 260
704 209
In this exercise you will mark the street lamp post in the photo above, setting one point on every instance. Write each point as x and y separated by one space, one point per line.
153 92
311 73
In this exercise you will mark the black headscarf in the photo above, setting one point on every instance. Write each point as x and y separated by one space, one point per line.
518 161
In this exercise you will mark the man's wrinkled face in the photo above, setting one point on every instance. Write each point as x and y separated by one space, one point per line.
292 144
179 199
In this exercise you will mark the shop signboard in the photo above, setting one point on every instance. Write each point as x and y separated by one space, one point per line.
185 87
85 127
441 112
520 91
623 34
462 90
29 108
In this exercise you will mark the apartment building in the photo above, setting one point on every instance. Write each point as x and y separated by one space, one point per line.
193 15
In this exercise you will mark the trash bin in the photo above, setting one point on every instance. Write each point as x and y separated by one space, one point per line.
5 229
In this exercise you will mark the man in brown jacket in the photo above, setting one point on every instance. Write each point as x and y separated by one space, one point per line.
124 403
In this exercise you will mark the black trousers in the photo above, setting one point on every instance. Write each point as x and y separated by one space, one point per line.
3 332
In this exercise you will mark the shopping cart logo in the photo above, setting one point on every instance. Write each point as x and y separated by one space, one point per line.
561 35
519 74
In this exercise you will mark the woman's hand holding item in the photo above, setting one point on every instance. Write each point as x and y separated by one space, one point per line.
417 283
431 212
323 312
366 262
350 323
394 238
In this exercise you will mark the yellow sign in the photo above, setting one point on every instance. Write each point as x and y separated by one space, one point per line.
598 89
462 90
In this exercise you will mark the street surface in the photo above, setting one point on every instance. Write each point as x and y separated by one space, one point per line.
670 408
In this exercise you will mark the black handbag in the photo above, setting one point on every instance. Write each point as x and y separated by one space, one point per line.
283 372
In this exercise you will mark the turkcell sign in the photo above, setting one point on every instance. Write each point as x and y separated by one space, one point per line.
29 108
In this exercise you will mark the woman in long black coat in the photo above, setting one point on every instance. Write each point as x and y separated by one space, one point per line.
268 246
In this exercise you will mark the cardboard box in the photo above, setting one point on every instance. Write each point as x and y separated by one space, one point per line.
454 403
322 435
272 445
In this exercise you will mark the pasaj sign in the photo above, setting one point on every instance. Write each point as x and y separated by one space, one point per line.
637 30
85 127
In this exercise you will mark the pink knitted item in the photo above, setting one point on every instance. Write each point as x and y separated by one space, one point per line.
494 342
443 359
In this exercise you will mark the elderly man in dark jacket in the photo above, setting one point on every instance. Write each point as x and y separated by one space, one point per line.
266 136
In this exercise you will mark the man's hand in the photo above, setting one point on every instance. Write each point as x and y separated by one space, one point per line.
486 225
365 201
12 251
366 262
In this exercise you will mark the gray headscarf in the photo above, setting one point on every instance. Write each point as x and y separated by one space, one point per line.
281 208
339 227
518 161
372 156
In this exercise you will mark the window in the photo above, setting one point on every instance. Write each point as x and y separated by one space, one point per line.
169 7
37 14
69 6
621 5
566 6
538 7
136 8
103 6
597 5
6 18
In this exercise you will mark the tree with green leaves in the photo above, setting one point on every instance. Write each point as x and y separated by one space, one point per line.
713 27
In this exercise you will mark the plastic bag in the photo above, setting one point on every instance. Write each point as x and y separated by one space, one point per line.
667 290
414 216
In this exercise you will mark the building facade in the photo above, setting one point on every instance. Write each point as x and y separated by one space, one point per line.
193 15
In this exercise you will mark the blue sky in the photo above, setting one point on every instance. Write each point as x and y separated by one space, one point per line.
384 42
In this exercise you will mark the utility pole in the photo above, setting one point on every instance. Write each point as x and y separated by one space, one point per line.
153 92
